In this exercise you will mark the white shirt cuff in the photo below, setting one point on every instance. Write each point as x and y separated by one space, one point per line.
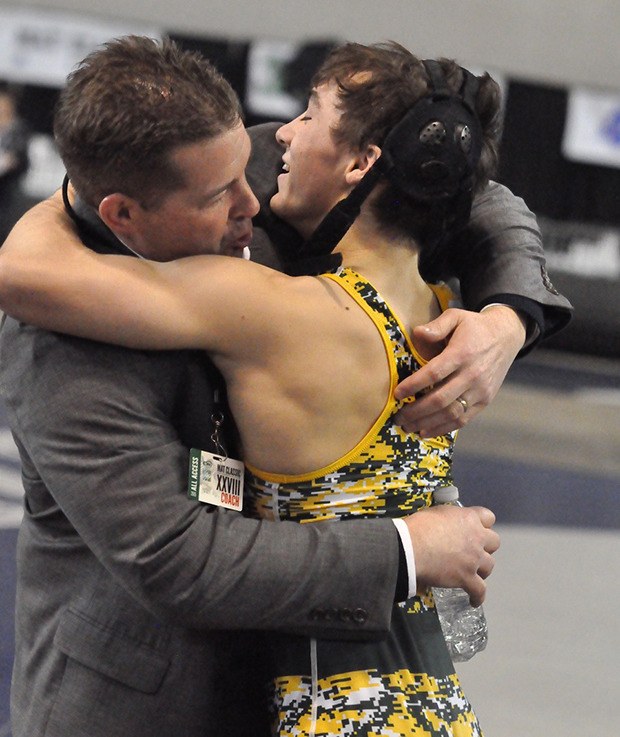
405 539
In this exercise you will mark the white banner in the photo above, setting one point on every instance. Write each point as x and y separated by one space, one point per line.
592 130
587 250
41 47
265 89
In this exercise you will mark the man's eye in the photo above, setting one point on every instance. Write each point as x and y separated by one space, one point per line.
213 200
305 118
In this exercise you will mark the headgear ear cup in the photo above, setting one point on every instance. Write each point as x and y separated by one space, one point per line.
433 151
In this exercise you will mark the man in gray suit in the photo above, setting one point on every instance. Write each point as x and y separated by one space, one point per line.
132 599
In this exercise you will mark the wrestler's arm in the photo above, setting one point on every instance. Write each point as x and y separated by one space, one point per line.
49 279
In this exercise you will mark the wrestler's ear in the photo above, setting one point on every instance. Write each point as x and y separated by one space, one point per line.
361 163
120 213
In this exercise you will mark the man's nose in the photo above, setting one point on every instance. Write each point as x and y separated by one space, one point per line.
247 205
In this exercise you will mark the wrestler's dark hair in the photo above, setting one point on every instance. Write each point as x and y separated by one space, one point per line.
377 85
127 106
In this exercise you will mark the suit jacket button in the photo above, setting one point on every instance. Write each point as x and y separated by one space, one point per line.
345 614
360 616
317 614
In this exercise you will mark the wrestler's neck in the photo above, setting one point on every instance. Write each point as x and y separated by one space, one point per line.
387 261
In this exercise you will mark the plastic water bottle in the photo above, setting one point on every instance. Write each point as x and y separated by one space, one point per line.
464 626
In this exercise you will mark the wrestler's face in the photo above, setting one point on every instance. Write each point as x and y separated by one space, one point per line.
211 212
313 177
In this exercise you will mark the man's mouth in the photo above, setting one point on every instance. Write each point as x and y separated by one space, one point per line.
234 246
244 240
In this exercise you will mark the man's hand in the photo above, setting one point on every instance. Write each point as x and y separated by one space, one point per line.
453 547
465 377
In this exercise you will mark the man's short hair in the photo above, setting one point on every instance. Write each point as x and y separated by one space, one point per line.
127 106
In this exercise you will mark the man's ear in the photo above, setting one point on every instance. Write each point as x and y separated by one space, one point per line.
361 164
120 213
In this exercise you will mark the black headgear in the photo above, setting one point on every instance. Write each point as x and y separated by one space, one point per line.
431 155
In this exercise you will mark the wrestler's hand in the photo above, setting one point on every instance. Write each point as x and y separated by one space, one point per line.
480 348
453 547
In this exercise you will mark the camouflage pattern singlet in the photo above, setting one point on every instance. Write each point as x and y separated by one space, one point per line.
405 684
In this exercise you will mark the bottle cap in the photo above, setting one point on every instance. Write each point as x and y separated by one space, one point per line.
445 494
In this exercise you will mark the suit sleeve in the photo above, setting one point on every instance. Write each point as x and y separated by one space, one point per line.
499 258
94 425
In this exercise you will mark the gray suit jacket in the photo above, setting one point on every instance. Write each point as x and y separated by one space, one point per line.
123 582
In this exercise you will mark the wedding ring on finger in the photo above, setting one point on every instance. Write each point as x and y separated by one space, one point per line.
463 403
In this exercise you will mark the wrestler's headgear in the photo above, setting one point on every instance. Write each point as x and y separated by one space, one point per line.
431 155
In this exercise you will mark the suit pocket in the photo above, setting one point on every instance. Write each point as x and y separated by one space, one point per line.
109 653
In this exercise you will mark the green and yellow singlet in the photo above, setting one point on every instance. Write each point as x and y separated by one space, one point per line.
405 684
